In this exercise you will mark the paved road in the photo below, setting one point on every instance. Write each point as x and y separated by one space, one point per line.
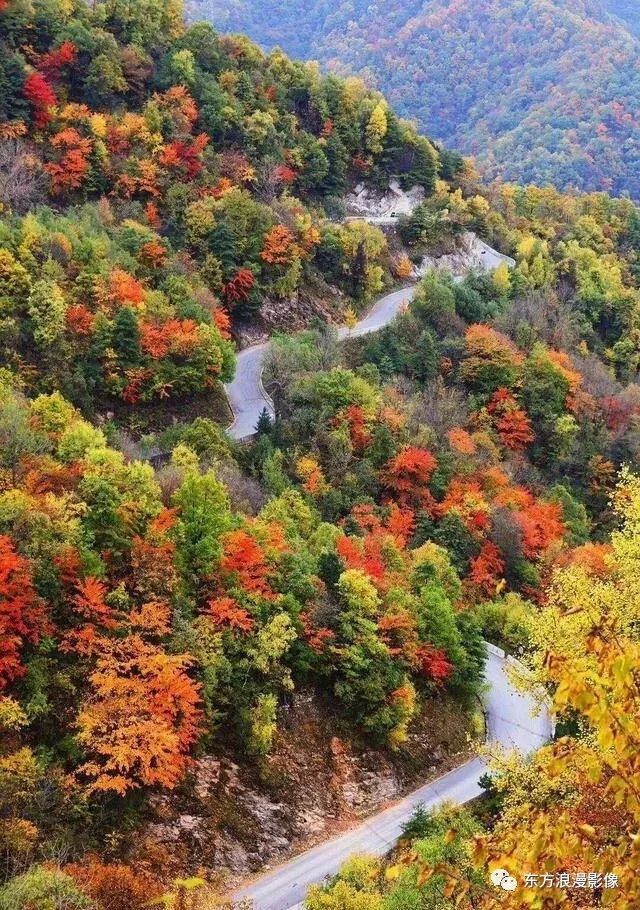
511 722
245 392
510 715
491 258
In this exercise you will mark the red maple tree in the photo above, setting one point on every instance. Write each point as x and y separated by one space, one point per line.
79 319
226 613
486 569
434 663
51 63
408 474
511 421
239 287
22 615
244 559
41 96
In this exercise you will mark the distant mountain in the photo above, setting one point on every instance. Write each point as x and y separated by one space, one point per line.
628 10
543 91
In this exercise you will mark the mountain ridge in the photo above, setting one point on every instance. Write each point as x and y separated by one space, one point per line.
569 120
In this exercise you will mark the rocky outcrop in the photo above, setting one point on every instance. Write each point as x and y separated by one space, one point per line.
469 255
235 820
382 208
322 301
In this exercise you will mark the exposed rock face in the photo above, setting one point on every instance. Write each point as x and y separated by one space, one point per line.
296 312
382 208
235 820
470 254
319 301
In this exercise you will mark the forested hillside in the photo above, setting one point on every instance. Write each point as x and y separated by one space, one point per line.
572 807
542 92
627 10
165 594
208 160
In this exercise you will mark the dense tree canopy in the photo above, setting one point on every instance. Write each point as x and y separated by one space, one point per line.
189 168
165 592
570 120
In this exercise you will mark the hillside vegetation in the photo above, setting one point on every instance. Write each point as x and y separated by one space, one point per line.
539 92
210 162
572 806
421 490
626 10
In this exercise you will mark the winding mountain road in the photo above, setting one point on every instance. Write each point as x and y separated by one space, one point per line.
248 397
511 722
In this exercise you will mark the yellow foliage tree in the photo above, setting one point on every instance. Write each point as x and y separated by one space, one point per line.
579 810
377 127
350 319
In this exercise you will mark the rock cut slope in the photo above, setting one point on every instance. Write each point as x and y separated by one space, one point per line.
512 723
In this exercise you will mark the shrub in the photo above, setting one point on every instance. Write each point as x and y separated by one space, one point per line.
40 888
114 886
505 622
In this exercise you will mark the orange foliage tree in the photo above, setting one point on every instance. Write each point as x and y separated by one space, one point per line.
466 498
563 365
284 174
96 617
141 179
398 631
407 475
69 172
239 287
362 553
461 441
244 560
180 336
222 322
123 290
486 569
114 885
490 360
395 522
356 419
153 254
511 422
140 718
541 524
318 638
279 247
153 572
179 105
185 156
79 319
225 613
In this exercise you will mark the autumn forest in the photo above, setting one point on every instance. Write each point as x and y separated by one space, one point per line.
191 621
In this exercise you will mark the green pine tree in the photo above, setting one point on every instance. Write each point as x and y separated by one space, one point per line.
126 337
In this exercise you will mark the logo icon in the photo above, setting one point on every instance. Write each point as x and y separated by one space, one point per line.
500 878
